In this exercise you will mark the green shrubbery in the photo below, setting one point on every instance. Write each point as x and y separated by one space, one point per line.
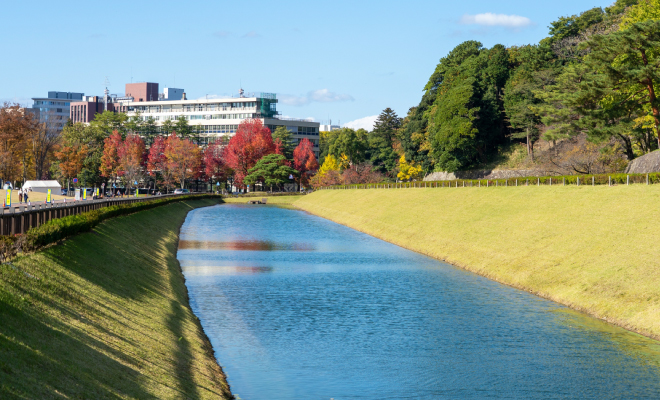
58 229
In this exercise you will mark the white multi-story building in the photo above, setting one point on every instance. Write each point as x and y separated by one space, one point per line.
215 118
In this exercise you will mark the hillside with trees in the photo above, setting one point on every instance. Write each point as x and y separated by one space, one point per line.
583 100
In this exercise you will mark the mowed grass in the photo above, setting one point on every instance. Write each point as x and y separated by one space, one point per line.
33 197
279 200
105 315
592 248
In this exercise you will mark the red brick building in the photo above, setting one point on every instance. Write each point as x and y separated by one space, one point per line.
143 91
86 110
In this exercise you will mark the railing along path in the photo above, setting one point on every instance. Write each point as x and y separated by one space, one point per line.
20 218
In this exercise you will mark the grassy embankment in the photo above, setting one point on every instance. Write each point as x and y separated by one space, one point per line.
592 248
105 314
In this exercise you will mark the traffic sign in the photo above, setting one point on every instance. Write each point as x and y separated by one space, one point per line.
75 180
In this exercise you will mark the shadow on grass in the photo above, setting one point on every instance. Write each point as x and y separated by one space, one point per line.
103 317
43 358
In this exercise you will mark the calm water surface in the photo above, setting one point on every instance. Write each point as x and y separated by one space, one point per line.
298 307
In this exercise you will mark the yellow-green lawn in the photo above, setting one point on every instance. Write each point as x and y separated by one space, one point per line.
34 197
105 315
595 249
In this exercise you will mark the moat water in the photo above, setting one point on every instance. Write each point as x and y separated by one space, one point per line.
298 307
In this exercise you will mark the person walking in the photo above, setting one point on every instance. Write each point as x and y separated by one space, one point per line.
20 196
25 196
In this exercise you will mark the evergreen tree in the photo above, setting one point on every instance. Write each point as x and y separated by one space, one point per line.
283 138
182 128
381 141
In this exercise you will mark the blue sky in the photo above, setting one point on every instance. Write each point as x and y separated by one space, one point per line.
345 60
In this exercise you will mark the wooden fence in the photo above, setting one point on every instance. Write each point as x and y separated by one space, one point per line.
20 218
578 180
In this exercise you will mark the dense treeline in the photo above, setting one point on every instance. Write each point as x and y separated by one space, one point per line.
125 152
588 90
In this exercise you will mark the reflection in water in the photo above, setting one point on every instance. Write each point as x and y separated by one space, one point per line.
358 318
226 270
250 245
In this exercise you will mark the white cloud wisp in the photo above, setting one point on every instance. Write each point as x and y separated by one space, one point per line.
490 19
366 123
319 96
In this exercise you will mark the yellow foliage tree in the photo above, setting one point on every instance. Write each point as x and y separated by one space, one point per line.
329 164
643 11
408 171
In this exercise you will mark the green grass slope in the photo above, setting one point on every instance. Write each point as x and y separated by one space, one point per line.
105 314
592 248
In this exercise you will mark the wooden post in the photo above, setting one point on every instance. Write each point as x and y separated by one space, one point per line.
578 181
593 181
627 179
647 179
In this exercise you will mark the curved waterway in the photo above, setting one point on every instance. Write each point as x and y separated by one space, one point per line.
298 307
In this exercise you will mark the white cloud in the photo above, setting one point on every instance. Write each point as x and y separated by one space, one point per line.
221 34
490 19
362 123
251 35
319 96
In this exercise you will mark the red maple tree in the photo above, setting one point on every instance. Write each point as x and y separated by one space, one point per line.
183 159
304 160
131 159
252 141
157 164
215 167
110 158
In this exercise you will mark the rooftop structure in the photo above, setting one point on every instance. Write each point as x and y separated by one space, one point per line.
143 91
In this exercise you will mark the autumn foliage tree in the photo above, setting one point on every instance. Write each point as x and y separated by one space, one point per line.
183 159
15 125
215 167
71 160
251 142
304 161
157 164
131 159
110 158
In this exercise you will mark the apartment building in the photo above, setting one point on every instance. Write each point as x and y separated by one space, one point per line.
215 118
55 108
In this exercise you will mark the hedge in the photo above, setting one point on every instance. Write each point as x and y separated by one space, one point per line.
599 179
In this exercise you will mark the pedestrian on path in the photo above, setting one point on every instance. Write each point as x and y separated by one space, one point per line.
20 196
25 196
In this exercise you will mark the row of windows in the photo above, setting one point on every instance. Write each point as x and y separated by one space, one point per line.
51 103
299 130
196 107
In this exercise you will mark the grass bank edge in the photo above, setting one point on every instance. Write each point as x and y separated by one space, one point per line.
568 253
86 322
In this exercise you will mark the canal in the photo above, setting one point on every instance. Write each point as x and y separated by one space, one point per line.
298 307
